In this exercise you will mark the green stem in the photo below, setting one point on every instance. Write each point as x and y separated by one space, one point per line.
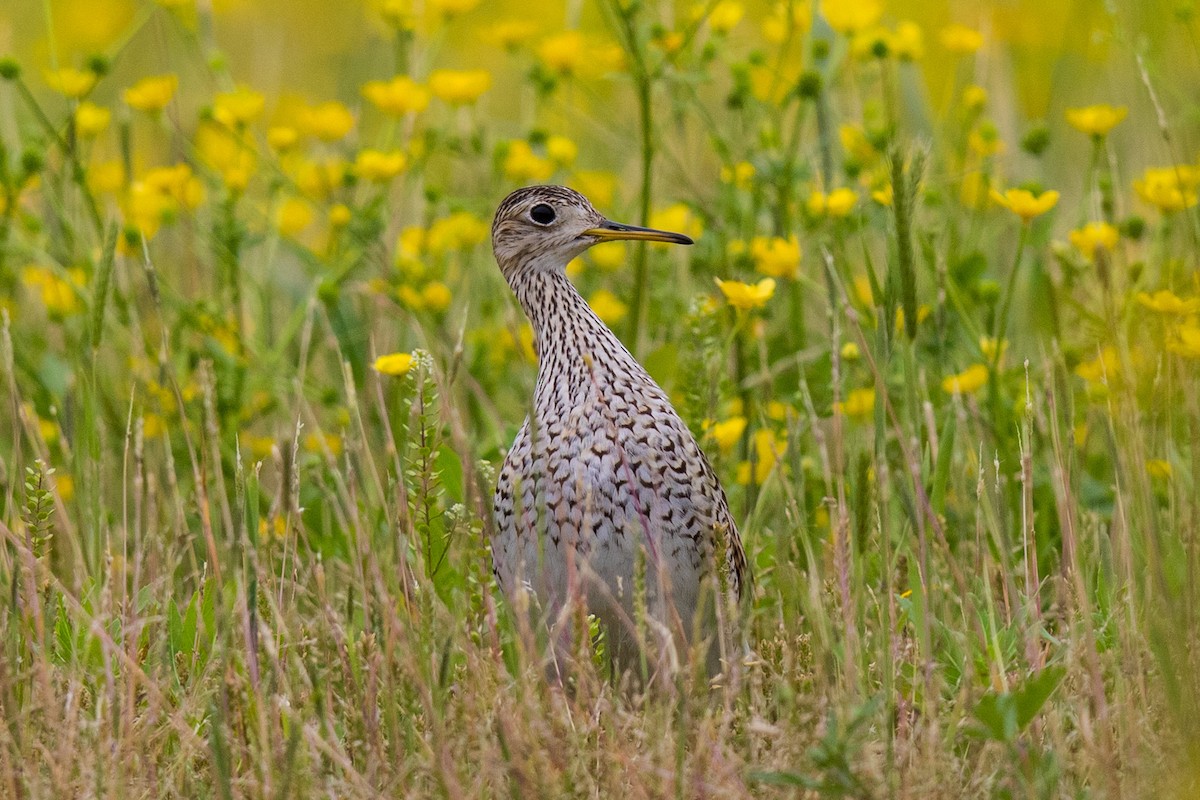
1006 300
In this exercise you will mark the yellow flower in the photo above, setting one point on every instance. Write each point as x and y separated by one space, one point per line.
610 259
855 143
923 312
228 151
59 295
153 93
239 107
967 381
838 203
775 256
327 121
975 98
459 87
884 195
1186 342
852 16
561 150
600 186
320 179
410 298
65 485
1169 188
393 364
1024 203
747 296
679 218
740 174
987 345
727 434
523 165
850 351
282 137
461 230
436 296
1105 367
316 443
106 177
1165 301
1096 120
562 52
71 82
608 306
293 216
453 8
340 215
1159 469
401 95
787 18
908 42
399 14
961 40
984 140
725 16
511 34
859 403
1094 237
768 449
91 119
374 165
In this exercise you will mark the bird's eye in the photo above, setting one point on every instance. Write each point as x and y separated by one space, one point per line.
542 214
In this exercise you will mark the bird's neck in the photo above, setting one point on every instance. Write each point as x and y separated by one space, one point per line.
573 344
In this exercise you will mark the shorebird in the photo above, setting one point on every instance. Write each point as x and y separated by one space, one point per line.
603 473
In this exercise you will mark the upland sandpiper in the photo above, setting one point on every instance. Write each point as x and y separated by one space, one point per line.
604 478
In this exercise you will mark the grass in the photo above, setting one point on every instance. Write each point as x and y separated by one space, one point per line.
239 561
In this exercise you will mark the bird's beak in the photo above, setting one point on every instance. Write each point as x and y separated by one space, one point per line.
612 231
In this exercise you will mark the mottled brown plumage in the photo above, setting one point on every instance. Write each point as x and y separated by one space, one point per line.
603 467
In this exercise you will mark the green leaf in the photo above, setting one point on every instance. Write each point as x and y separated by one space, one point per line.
1034 692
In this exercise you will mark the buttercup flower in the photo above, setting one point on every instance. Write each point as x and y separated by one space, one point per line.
725 16
91 119
727 433
775 256
838 203
967 381
1169 188
961 40
859 403
1186 341
608 306
153 93
562 52
401 95
1093 237
561 150
293 216
459 87
239 107
375 165
852 16
1096 120
747 296
328 121
1164 301
71 82
522 164
1024 203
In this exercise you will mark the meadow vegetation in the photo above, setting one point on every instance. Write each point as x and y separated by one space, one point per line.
940 336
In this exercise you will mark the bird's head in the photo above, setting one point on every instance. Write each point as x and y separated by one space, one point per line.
544 227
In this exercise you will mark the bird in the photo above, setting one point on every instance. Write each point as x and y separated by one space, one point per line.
604 478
